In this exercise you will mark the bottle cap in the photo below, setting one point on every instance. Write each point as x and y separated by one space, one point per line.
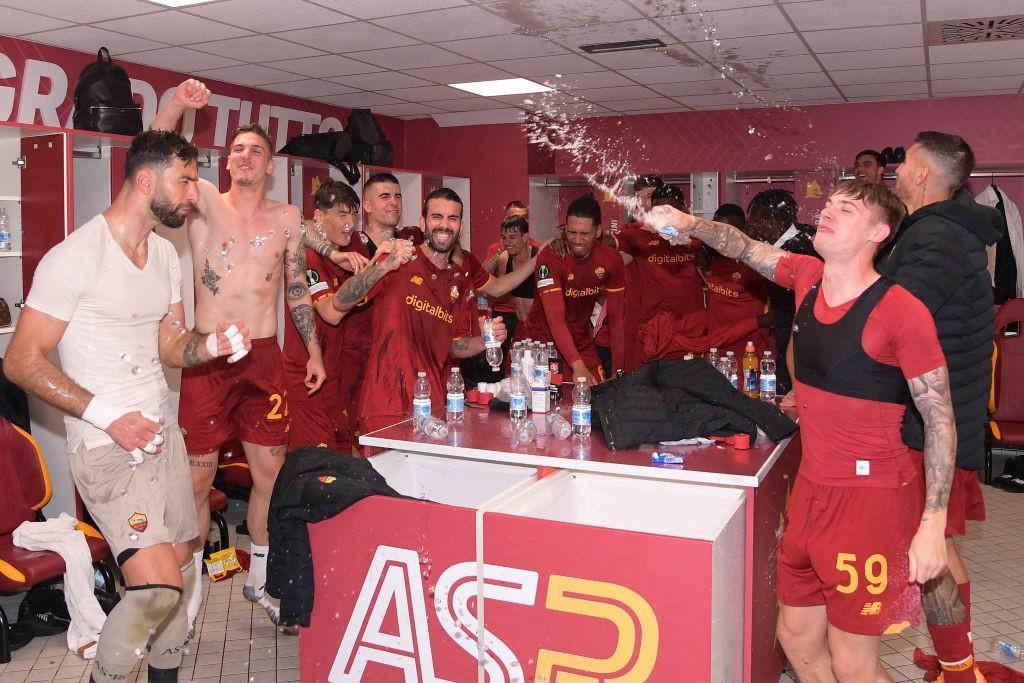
421 374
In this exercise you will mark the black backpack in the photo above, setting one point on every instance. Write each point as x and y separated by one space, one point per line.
334 147
369 146
103 98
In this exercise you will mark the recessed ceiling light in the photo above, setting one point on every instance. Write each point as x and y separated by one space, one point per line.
622 46
505 86
180 3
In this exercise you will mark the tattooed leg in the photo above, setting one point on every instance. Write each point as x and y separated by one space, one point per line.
940 598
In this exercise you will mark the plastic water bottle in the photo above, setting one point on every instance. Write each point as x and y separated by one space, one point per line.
528 363
750 367
1008 648
767 385
5 231
713 357
420 400
559 426
525 431
455 406
518 393
581 407
492 347
433 427
730 370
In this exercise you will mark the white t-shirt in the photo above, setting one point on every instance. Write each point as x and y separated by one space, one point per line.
113 310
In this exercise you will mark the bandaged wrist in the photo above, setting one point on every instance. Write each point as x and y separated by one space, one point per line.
100 414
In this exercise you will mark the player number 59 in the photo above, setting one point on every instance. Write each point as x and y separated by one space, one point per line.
876 572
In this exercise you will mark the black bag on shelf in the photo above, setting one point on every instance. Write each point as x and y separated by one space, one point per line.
103 98
334 147
369 146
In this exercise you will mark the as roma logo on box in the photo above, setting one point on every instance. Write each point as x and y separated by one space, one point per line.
138 521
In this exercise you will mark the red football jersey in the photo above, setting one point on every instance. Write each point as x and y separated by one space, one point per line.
841 433
734 292
667 274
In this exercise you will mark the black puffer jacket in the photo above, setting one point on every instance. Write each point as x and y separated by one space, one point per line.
939 256
314 484
680 399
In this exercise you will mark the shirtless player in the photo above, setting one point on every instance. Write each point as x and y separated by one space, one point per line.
241 243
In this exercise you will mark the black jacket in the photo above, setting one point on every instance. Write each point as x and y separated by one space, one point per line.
680 399
314 484
939 256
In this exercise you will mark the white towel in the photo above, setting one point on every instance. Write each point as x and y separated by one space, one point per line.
60 536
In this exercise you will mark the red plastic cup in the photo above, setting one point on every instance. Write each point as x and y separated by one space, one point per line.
473 396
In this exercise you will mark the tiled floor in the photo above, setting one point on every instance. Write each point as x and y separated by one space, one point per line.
237 643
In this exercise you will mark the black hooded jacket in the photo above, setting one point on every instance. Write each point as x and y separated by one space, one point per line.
939 256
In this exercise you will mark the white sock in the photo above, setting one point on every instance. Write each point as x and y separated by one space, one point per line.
195 599
257 567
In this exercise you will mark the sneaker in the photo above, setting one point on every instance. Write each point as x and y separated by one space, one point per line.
1011 470
260 597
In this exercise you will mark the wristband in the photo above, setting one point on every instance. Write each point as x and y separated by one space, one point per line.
100 414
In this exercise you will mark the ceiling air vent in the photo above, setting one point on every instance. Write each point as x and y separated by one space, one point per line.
623 46
980 30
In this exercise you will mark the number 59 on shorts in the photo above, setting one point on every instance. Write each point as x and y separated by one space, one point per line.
875 571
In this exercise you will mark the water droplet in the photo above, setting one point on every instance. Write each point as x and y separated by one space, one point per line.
716 42
233 239
154 361
133 537
126 357
229 267
767 157
137 370
751 130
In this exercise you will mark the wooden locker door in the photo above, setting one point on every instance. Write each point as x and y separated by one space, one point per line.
43 199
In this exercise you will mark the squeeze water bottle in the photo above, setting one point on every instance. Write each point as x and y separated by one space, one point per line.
750 367
518 391
581 407
420 400
455 405
730 371
767 385
492 347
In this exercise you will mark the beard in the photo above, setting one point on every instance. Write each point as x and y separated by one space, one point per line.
167 213
242 182
441 249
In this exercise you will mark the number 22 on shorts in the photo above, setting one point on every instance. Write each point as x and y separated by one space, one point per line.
876 572
277 400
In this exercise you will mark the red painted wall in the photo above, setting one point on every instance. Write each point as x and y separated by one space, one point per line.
493 157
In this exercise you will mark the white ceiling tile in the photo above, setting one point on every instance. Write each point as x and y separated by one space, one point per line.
697 101
670 74
869 59
597 79
409 57
541 17
976 52
790 81
871 89
671 55
799 94
324 66
359 99
345 38
668 110
371 9
248 74
469 104
876 37
503 47
266 15
722 107
742 49
643 104
811 16
256 48
405 109
81 12
714 87
959 9
889 98
427 93
179 59
1007 67
762 67
736 23
172 24
826 100
619 93
453 24
89 39
574 36
543 66
664 8
384 80
312 87
458 73
17 22
891 74
969 84
978 93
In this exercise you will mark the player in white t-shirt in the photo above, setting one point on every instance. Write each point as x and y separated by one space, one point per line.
109 299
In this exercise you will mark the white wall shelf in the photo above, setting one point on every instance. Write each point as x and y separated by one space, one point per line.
9 198
9 254
7 330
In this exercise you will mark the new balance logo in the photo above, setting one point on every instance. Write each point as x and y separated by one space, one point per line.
871 609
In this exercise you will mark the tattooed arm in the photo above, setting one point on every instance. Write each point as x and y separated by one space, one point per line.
930 392
357 287
467 347
725 239
318 242
300 305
